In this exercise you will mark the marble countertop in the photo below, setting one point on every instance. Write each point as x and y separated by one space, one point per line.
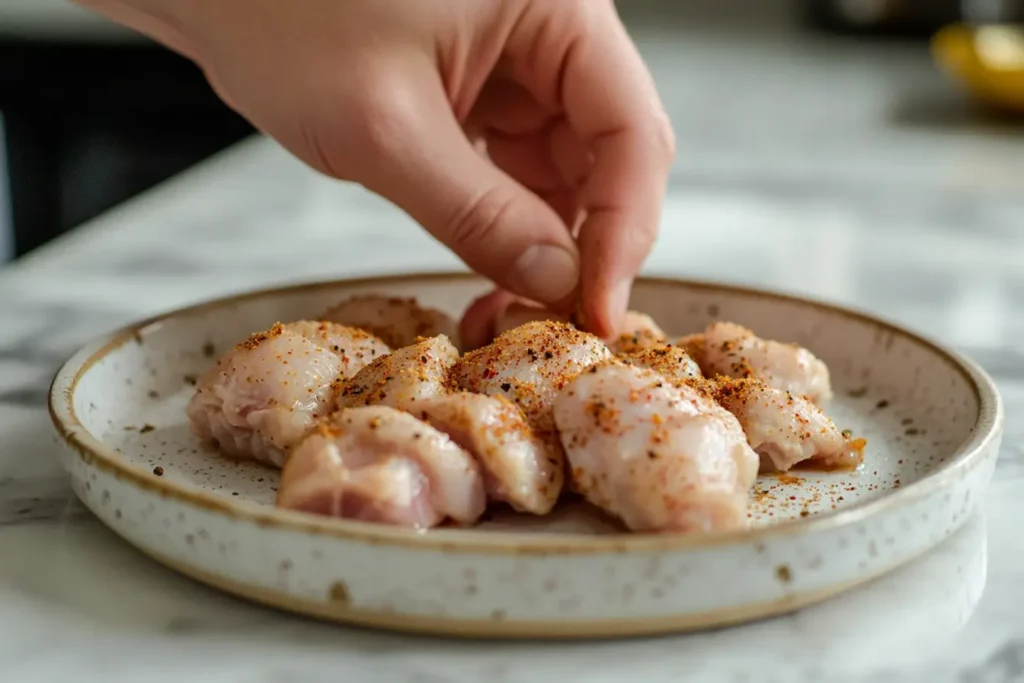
848 172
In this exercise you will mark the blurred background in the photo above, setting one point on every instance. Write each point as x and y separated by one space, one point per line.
92 114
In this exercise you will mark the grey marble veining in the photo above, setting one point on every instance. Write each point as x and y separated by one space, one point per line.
832 169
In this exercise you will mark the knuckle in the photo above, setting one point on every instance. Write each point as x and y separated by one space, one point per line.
480 220
381 124
382 113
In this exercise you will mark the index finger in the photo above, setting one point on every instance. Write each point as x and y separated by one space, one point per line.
589 63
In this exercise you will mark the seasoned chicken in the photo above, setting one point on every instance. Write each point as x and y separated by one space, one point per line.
693 344
518 467
660 457
639 332
734 351
785 429
403 379
528 365
519 313
355 347
379 464
399 322
264 395
669 361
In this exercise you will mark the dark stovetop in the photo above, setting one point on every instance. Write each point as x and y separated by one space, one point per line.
90 125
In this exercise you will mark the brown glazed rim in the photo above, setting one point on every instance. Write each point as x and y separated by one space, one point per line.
98 455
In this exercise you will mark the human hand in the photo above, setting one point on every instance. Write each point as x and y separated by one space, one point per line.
393 94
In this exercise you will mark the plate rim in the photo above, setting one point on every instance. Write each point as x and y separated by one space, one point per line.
93 452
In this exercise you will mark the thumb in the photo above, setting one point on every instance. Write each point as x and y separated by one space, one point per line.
429 168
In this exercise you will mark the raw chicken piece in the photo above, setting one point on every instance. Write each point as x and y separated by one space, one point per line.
264 395
639 331
786 429
693 344
519 313
382 465
403 379
735 351
658 456
356 348
528 365
669 361
392 491
399 322
519 468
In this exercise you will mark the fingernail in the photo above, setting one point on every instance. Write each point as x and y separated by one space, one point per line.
546 273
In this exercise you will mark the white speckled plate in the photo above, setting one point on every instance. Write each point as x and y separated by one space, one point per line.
933 422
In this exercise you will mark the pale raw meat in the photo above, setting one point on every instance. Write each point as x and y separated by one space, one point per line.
519 313
398 322
734 351
693 345
519 468
658 456
403 379
383 465
639 332
529 365
786 429
355 347
783 428
264 395
669 361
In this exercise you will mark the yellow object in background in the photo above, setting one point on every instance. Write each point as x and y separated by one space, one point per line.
987 60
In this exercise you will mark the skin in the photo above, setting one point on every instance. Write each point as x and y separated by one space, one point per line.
526 135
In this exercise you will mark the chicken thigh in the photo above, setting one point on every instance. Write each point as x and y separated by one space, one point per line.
658 456
379 464
785 429
669 361
355 348
734 351
528 365
399 322
639 332
518 467
405 378
517 314
693 345
264 395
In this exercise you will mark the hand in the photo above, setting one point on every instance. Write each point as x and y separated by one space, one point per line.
401 96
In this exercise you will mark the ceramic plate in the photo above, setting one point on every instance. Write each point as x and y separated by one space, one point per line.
933 422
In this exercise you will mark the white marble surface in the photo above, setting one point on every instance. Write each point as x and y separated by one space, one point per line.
838 170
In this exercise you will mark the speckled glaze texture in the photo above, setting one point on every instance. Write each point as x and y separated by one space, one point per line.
932 421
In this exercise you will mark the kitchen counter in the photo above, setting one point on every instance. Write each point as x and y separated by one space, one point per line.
840 170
